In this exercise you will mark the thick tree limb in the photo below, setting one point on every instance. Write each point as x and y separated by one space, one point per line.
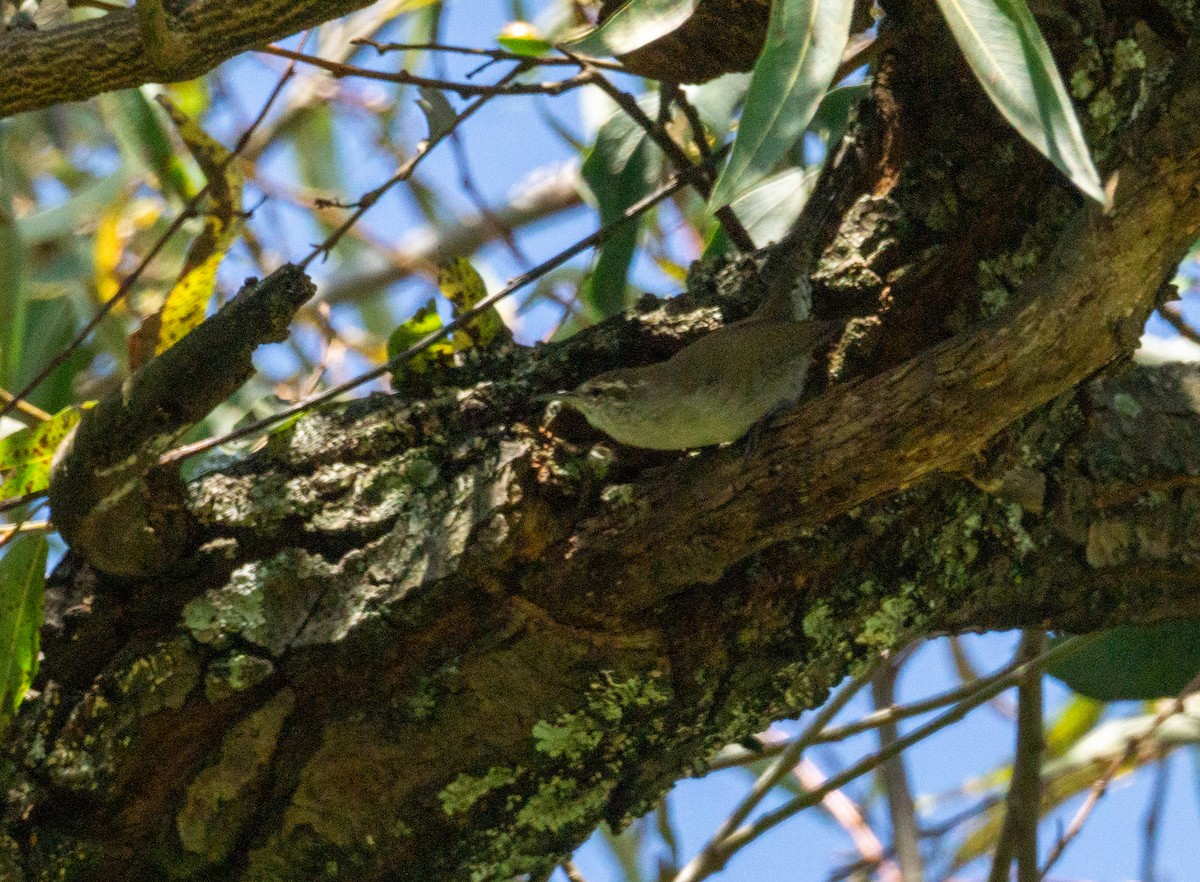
77 61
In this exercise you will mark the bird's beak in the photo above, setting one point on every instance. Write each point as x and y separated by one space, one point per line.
553 396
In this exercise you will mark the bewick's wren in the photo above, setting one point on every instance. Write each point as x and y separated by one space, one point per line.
714 390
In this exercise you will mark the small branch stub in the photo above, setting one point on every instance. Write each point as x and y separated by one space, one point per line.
111 501
164 50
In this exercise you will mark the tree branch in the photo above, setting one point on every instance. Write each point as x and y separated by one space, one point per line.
77 61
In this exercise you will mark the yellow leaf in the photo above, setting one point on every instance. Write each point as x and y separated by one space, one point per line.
106 254
116 227
462 285
185 304
423 323
25 455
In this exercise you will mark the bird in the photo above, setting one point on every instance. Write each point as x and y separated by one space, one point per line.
710 392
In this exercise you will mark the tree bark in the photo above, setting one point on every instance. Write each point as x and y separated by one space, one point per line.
428 638
76 61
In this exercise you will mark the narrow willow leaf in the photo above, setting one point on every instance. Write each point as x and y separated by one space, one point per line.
619 170
144 140
85 204
13 288
1134 662
634 25
185 304
462 285
22 578
804 46
1012 62
768 209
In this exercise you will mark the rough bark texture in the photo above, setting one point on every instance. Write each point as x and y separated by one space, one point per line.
425 638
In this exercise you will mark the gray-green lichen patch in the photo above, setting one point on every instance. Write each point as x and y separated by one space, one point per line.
1114 84
463 792
436 529
577 734
222 797
360 499
562 802
364 430
891 625
582 755
266 602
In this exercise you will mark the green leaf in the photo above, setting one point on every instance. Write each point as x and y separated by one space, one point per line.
13 289
769 209
1078 716
1012 62
423 323
25 455
144 140
523 38
717 99
805 41
22 580
314 146
634 25
84 205
1142 662
439 112
833 115
619 170
185 304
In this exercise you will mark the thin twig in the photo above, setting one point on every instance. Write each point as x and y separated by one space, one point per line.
7 531
729 221
666 832
494 54
32 413
882 717
1100 787
862 52
966 670
1173 317
699 133
18 501
850 816
749 832
466 179
1152 827
894 777
1018 833
422 248
711 857
464 90
402 173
